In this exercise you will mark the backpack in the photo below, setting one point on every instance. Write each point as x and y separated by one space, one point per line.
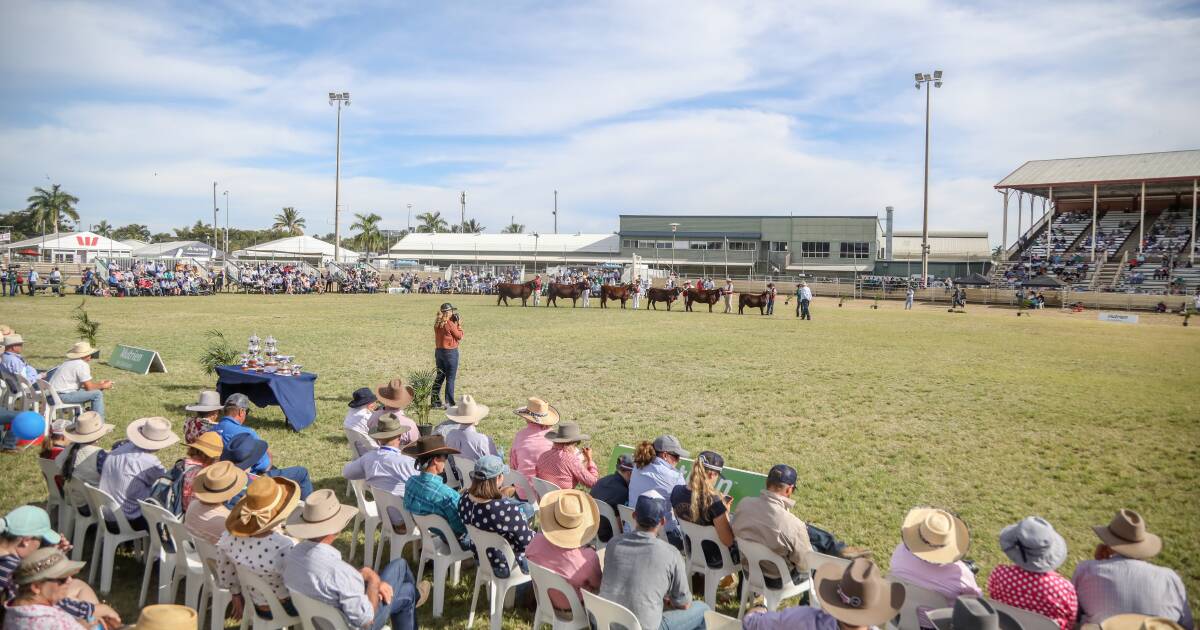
167 491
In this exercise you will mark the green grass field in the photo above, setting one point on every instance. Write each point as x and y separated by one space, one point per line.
993 416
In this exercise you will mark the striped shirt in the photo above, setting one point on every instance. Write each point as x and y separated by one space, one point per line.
561 466
1124 585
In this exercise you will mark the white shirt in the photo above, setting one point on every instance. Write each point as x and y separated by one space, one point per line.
359 420
263 555
70 375
806 293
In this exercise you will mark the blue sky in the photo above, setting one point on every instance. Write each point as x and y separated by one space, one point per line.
721 107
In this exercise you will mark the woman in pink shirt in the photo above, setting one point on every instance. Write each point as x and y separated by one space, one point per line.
1031 583
569 520
530 442
561 465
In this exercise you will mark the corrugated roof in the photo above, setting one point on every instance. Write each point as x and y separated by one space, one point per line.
422 243
157 249
89 241
304 245
1106 168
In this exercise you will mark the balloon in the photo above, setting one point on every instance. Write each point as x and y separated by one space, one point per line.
28 425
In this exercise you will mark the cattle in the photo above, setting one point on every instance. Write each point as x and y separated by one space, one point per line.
662 295
620 292
573 291
702 296
753 300
505 290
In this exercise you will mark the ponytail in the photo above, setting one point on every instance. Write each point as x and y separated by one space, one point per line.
644 454
702 492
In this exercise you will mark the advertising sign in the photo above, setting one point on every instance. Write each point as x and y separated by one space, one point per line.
137 360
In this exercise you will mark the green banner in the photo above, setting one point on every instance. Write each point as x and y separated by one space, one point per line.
734 482
137 360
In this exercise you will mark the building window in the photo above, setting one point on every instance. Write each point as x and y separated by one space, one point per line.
628 243
742 246
856 250
779 246
814 249
705 244
662 244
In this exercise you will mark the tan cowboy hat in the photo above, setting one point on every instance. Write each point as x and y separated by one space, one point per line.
81 349
219 482
208 443
569 518
396 394
567 433
47 563
152 434
321 516
540 412
1127 535
858 595
206 402
467 411
268 502
166 617
428 446
87 428
5 330
13 339
389 426
935 535
1130 621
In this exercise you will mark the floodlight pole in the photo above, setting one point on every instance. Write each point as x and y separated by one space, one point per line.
215 208
936 80
674 226
1195 190
339 97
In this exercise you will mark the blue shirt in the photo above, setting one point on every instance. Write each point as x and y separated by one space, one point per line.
228 428
428 494
385 468
657 475
316 570
13 363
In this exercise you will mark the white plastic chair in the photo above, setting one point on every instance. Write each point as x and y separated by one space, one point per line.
54 404
390 507
498 588
81 522
545 581
518 480
104 552
188 566
367 519
315 615
917 601
252 583
358 443
714 620
462 466
628 522
614 523
815 561
56 503
446 556
755 556
453 480
695 535
544 487
168 575
1028 619
212 592
607 613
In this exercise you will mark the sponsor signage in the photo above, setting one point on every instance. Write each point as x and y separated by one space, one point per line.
5 237
1122 318
87 241
136 360
734 482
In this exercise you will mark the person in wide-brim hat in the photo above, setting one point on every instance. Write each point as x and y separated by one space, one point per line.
935 535
218 483
209 443
1127 535
395 394
87 428
321 516
1034 545
467 411
972 613
1133 621
858 595
152 434
166 617
267 504
81 349
429 446
567 433
207 402
569 518
540 412
390 425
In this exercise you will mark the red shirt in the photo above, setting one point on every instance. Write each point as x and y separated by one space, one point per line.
1047 594
448 336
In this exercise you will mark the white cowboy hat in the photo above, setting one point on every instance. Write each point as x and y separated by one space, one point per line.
88 428
321 516
467 411
152 434
81 349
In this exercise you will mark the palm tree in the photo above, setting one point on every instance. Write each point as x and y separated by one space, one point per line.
103 229
432 222
472 227
134 231
513 228
289 221
51 206
368 229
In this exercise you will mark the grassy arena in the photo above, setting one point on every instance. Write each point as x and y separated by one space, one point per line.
992 415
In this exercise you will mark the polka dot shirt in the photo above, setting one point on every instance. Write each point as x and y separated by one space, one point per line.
503 517
1047 594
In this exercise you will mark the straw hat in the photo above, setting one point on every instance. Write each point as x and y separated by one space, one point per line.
569 518
1130 621
321 516
218 483
1127 535
88 428
151 434
396 394
206 402
567 433
166 617
467 411
935 535
208 443
47 563
540 412
389 426
12 339
972 613
858 595
268 502
81 349
5 330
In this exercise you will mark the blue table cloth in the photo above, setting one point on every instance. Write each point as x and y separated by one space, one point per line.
293 394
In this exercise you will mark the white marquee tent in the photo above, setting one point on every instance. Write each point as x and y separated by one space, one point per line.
295 248
71 247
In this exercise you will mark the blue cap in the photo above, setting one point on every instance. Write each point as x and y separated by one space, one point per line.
244 451
488 467
650 508
782 474
30 521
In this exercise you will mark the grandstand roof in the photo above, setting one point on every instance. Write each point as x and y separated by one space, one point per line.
303 246
1166 172
423 243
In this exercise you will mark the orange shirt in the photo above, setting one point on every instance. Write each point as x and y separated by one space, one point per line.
448 336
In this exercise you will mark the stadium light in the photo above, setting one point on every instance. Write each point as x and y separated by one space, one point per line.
936 80
674 226
339 98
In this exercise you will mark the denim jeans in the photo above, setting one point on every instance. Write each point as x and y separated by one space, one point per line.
299 474
9 441
804 314
400 611
691 618
80 396
447 369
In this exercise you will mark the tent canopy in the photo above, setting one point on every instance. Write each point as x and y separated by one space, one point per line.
303 246
973 280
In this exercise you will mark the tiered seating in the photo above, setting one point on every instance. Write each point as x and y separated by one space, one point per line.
1168 235
1063 233
1112 232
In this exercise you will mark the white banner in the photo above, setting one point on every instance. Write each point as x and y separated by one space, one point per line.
5 237
1123 318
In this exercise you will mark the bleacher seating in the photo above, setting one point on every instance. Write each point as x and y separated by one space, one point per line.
1113 230
1168 235
1064 231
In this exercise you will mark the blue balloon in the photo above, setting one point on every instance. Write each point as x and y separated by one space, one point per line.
28 425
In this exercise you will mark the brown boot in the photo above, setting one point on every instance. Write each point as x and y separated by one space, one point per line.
423 593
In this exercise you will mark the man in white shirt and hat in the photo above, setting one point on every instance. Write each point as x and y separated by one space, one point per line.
465 437
132 468
73 378
385 469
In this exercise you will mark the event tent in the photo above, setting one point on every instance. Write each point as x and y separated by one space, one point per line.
295 248
71 247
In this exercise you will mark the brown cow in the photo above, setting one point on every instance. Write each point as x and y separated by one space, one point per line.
505 290
662 295
752 300
702 296
573 291
621 292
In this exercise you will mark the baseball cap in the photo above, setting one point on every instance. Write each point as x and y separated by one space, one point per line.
238 400
30 521
711 460
488 467
625 462
650 508
669 444
446 307
782 474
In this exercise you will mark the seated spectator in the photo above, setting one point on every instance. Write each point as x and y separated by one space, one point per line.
363 404
393 398
132 468
614 490
465 438
486 507
854 598
1031 582
934 542
768 520
655 470
699 502
647 576
568 521
253 540
385 469
1120 580
12 362
202 452
161 616
42 582
972 613
211 489
232 424
315 569
53 446
530 442
73 378
207 410
82 459
427 493
562 464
